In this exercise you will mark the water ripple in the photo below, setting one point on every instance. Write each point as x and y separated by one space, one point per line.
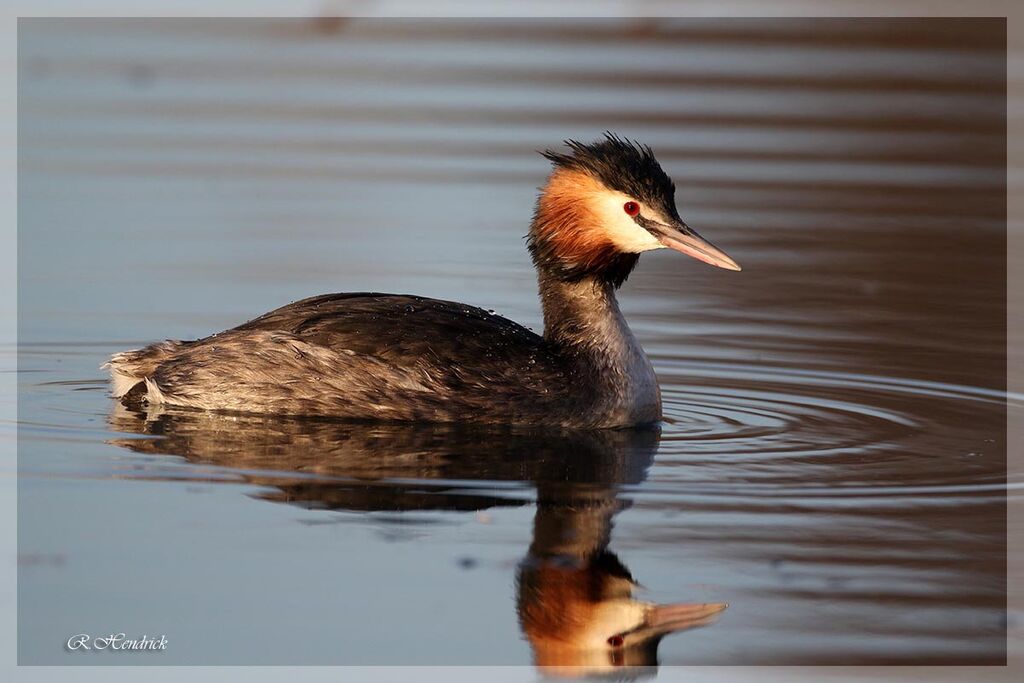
753 413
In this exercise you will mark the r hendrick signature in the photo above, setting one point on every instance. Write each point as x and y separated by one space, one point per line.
115 641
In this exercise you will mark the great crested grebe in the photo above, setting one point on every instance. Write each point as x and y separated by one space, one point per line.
399 357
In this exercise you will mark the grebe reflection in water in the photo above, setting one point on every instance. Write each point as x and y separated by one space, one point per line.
574 597
409 358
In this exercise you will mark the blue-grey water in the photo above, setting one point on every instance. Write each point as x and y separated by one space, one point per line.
832 463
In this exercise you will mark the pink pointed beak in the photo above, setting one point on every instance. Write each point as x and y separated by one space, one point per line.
685 239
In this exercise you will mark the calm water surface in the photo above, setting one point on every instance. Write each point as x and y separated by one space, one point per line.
832 462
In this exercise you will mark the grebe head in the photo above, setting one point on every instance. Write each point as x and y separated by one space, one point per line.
584 619
603 205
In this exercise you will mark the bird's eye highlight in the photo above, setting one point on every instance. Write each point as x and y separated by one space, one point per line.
631 208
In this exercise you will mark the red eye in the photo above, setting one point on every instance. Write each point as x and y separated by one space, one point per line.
616 641
631 208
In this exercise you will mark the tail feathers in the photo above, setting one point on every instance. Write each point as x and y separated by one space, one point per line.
129 368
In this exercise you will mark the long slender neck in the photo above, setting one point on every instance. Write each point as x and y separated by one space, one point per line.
583 322
582 315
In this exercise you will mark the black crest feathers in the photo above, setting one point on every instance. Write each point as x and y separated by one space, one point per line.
623 165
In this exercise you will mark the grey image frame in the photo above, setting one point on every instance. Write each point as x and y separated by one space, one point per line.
1015 330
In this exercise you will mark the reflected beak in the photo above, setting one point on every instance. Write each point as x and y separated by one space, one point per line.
671 618
685 239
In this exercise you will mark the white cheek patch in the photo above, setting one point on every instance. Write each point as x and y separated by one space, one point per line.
620 227
610 618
